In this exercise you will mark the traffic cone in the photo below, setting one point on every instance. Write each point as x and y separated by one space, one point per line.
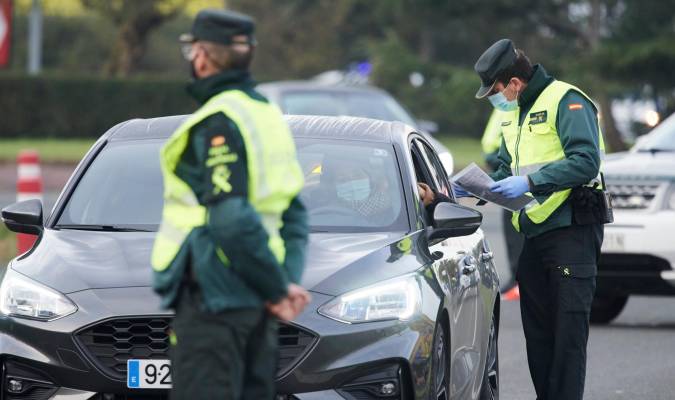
28 186
512 294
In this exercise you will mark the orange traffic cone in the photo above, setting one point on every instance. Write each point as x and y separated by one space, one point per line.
28 186
512 294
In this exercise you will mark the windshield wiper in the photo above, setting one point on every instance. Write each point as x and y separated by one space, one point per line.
103 228
655 150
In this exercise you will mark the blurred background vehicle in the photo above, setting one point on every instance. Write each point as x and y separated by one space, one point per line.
638 253
316 98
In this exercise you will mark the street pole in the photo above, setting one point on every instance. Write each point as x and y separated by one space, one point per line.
35 38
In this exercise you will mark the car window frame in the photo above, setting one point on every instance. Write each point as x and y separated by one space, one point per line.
418 207
431 156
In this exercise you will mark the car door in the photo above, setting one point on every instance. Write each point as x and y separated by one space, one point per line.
458 266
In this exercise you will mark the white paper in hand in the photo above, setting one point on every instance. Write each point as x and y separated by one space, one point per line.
475 181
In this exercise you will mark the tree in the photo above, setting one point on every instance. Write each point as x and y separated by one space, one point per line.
134 20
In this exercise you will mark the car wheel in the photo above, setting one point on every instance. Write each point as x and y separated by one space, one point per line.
440 364
605 308
490 387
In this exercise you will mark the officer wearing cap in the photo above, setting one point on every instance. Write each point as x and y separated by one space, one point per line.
230 249
551 148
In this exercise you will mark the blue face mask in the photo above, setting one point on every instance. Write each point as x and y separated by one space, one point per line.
501 103
355 190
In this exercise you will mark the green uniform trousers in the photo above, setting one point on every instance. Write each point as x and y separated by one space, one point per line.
556 273
231 355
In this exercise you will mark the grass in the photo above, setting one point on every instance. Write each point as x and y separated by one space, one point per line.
7 245
464 150
51 150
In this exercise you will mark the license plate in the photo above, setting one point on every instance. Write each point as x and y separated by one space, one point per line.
614 242
149 374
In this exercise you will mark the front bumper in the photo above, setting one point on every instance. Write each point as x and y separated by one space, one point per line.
638 256
377 352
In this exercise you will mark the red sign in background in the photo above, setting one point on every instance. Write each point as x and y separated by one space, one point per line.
5 31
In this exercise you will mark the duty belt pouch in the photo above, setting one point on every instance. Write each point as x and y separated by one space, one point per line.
591 205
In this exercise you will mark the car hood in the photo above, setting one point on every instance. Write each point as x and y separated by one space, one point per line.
70 261
640 165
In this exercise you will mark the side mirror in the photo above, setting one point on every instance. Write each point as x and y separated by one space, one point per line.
429 127
24 217
452 220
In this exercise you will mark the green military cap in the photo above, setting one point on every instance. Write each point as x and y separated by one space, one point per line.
219 26
492 62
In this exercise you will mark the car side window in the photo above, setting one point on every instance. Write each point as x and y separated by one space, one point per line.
436 169
422 173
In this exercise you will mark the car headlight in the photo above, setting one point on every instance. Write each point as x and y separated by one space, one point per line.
397 298
23 297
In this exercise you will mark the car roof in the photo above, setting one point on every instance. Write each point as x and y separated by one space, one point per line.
324 127
290 86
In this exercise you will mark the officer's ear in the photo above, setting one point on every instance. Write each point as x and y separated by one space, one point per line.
518 84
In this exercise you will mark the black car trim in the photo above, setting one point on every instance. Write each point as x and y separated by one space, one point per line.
101 368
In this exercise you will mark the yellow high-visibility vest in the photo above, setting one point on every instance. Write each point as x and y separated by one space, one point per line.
536 143
274 175
492 136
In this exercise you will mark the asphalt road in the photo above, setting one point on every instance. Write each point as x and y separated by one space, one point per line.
632 358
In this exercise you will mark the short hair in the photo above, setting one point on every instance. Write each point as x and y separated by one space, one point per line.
521 68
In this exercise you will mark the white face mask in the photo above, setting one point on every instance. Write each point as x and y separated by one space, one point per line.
355 190
501 103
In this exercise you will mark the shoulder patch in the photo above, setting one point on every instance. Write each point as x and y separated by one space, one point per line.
217 140
575 106
538 117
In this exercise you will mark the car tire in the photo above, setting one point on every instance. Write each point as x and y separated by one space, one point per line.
440 364
490 387
605 308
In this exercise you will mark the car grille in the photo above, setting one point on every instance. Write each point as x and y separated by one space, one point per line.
109 344
635 196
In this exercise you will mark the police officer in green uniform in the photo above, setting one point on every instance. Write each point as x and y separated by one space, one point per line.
551 148
490 143
230 249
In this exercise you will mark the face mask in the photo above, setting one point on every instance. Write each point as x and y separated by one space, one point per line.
354 190
501 103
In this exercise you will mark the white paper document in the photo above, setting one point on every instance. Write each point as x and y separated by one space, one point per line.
478 183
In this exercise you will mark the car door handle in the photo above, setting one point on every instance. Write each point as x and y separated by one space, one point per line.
487 256
469 265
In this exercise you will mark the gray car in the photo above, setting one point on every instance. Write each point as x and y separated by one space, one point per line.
405 303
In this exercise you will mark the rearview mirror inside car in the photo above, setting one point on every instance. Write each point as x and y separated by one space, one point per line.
24 217
452 220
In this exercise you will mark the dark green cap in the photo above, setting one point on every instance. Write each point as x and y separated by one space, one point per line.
492 62
219 26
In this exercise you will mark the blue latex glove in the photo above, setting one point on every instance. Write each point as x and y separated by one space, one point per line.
511 187
459 192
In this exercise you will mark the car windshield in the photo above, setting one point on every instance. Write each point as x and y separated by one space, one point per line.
349 187
662 138
365 105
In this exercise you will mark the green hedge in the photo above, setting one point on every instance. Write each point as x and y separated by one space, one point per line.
83 107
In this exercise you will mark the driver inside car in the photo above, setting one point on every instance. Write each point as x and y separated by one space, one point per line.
430 198
358 190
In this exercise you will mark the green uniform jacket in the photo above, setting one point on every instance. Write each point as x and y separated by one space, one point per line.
578 132
233 224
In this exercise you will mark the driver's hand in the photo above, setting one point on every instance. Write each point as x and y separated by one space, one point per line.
426 193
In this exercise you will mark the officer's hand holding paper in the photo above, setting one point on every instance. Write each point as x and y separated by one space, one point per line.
507 193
